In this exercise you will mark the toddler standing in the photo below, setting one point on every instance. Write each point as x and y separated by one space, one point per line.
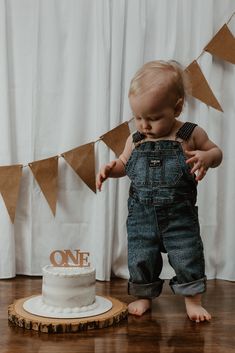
164 158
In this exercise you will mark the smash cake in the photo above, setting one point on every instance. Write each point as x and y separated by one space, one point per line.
68 302
68 291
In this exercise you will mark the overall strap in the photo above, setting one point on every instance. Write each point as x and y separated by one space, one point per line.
137 137
185 131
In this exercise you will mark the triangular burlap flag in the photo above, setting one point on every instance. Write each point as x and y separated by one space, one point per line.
10 177
223 45
116 138
200 88
82 160
45 172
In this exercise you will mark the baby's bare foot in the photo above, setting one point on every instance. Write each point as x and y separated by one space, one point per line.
139 307
195 310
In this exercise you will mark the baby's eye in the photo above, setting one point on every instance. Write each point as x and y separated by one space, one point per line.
151 119
155 118
137 117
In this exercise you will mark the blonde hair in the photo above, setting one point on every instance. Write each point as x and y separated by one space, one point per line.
154 74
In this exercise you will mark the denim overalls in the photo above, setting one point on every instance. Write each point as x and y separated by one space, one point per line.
163 218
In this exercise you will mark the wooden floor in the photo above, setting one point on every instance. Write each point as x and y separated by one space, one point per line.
165 329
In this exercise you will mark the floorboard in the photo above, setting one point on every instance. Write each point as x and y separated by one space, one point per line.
165 328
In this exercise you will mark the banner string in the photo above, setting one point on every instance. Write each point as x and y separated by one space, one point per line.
230 44
230 18
203 51
61 154
101 138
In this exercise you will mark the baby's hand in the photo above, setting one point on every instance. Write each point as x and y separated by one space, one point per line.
104 173
201 162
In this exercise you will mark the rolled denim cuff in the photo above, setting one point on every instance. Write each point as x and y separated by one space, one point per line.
190 288
145 290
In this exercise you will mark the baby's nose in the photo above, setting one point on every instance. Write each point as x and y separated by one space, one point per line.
146 125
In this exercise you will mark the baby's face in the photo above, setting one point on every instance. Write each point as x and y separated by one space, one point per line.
154 114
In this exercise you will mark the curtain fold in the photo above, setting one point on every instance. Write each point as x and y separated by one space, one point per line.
65 69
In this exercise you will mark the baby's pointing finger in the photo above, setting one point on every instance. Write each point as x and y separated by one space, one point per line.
98 184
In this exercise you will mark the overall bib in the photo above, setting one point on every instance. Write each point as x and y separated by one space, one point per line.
163 218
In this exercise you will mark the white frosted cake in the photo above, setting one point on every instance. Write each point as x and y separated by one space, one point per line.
68 289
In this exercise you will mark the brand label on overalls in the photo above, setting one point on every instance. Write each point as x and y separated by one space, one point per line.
155 163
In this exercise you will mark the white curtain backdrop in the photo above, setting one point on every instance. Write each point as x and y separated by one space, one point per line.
65 68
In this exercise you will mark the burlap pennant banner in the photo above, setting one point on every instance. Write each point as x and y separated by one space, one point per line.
116 138
223 45
10 177
200 88
45 172
82 160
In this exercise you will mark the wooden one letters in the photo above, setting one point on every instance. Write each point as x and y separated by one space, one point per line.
68 259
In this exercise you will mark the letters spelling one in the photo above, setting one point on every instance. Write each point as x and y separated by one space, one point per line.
68 259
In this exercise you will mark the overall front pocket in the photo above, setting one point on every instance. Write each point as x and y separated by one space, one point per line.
162 168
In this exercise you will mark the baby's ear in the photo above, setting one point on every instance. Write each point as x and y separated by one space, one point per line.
179 106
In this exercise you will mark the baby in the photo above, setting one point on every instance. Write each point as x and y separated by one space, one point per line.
164 159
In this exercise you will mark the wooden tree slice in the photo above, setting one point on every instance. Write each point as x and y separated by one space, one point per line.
18 316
